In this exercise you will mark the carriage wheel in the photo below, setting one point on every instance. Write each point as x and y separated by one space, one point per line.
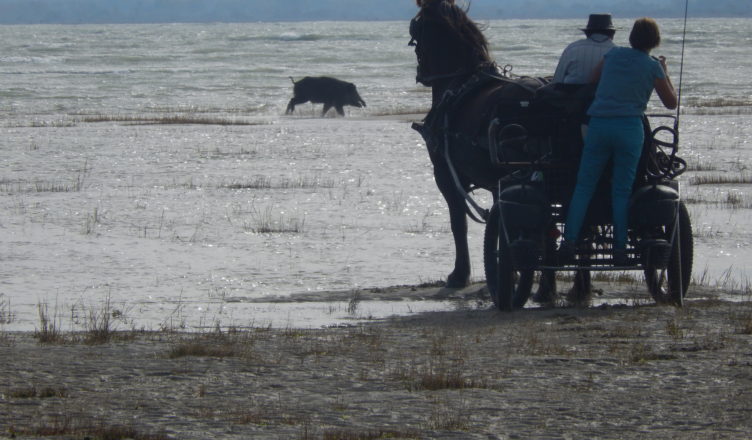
509 288
664 284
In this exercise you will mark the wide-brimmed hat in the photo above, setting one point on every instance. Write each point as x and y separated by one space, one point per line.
599 22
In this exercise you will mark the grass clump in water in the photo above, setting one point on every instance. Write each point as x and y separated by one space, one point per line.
721 179
167 120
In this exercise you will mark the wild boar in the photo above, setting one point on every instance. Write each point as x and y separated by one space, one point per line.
331 92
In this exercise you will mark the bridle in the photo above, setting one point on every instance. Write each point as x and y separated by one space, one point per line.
416 36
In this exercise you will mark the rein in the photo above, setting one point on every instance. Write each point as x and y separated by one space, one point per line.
436 126
668 164
432 78
681 65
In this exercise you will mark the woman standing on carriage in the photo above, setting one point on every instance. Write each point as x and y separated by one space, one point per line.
626 78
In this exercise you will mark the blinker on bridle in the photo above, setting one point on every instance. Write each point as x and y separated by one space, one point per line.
416 34
414 25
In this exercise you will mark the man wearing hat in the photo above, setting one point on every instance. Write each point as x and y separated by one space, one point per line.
580 58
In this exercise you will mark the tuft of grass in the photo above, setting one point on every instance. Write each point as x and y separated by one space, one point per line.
745 326
202 349
49 326
91 221
641 354
721 179
67 426
344 434
259 182
403 111
433 379
717 105
266 416
735 200
99 325
265 182
34 392
6 314
76 184
723 102
674 329
167 120
441 380
354 302
743 321
448 416
265 223
53 187
216 344
623 277
697 165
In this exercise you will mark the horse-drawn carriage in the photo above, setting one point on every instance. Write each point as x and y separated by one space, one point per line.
537 155
520 139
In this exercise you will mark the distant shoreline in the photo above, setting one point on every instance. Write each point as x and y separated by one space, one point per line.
67 15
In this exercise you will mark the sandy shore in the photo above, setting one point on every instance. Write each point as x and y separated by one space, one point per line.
639 371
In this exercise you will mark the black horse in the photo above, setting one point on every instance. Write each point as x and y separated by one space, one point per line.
453 59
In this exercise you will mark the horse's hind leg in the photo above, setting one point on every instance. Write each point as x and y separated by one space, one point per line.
460 276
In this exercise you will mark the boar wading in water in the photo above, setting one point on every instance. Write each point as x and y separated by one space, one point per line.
331 92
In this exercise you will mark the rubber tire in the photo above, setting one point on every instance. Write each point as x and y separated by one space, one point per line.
663 284
509 288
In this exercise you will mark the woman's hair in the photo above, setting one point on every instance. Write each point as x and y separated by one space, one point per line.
422 3
645 34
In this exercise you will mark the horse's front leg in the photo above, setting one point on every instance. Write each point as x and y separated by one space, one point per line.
460 276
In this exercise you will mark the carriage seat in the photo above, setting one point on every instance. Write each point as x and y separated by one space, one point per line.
571 99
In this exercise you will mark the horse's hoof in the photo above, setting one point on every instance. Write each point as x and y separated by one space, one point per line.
546 293
543 298
579 298
457 282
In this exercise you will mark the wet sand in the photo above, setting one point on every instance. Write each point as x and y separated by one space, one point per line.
628 371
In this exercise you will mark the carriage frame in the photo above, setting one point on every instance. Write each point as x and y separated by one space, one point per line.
523 227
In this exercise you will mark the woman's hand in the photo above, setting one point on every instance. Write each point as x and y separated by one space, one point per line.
662 60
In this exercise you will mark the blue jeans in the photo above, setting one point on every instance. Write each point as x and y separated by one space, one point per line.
618 138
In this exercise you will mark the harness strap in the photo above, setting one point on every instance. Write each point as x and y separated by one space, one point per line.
482 212
508 80
435 128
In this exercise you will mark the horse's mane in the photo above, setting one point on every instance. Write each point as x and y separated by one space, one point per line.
456 19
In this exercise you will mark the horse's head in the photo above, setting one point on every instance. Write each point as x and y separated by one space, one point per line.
447 42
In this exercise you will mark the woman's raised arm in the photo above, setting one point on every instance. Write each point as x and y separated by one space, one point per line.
665 88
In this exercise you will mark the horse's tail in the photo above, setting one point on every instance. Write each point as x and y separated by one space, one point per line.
293 81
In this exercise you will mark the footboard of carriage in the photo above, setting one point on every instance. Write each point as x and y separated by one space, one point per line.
525 224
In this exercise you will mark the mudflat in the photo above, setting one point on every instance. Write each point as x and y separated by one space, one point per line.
607 372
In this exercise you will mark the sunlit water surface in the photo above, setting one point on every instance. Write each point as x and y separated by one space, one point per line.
199 224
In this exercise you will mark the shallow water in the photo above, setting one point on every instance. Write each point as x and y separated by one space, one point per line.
200 223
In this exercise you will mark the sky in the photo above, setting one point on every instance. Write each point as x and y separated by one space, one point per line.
167 11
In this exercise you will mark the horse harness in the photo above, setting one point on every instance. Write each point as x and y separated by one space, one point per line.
436 128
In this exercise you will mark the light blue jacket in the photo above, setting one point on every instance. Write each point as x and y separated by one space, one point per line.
626 83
